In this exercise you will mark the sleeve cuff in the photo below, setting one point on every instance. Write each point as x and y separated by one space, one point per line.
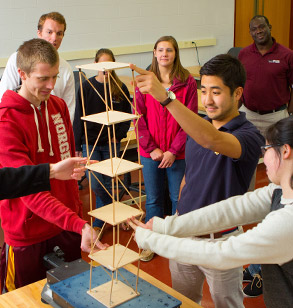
158 225
140 235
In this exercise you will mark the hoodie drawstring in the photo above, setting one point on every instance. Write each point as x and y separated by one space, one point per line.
40 149
49 133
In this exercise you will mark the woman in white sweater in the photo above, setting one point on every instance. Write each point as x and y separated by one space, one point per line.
269 243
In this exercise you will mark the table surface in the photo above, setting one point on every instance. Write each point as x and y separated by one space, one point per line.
30 295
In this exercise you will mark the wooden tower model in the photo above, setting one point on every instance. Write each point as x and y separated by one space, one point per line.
112 259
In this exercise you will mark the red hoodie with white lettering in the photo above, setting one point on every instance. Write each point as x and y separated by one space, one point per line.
30 136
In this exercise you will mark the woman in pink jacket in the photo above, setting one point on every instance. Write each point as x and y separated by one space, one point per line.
162 141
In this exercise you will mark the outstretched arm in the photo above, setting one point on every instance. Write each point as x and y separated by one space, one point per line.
203 132
235 211
23 181
26 180
261 245
171 237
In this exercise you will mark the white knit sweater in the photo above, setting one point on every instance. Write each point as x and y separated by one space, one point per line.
270 242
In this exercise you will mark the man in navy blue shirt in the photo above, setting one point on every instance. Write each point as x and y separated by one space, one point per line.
222 152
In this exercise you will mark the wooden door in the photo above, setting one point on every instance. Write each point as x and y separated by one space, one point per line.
244 11
278 13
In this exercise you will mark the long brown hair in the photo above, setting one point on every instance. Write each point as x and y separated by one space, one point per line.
178 70
116 93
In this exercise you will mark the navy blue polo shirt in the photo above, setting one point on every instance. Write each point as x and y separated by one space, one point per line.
211 177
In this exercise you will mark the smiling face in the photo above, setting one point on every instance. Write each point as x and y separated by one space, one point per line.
38 84
216 97
260 31
165 54
52 32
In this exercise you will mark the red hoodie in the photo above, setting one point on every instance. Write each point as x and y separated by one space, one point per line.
26 140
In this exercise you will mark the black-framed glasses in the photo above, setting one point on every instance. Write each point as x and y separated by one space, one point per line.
264 148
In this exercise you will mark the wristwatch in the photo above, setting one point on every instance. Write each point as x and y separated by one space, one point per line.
171 97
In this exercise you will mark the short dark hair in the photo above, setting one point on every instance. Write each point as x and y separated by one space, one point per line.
260 16
35 51
54 16
226 67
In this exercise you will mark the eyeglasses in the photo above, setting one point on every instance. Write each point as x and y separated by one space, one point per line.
264 148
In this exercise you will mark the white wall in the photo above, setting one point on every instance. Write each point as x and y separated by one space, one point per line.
93 24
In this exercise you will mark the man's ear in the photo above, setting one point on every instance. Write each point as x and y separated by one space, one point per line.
238 93
22 74
39 34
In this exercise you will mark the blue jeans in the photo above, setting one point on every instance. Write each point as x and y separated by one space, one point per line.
154 185
102 198
254 269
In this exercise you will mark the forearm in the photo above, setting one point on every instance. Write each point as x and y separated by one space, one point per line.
193 124
261 245
22 181
204 133
50 209
235 211
190 122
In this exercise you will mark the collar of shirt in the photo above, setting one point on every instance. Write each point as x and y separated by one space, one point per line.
273 48
232 124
